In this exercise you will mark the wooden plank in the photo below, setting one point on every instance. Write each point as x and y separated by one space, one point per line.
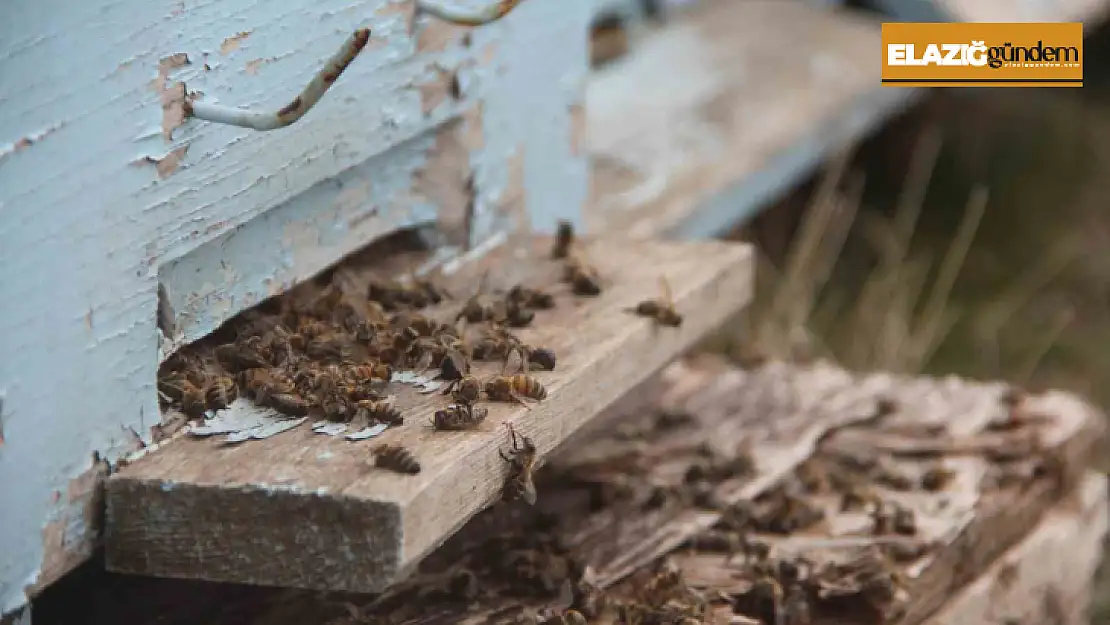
1046 578
739 113
961 528
304 510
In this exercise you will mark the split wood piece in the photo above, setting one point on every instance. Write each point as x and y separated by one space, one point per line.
1047 577
304 510
739 113
785 415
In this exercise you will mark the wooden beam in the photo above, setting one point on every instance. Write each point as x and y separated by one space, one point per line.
1047 577
746 99
962 528
305 510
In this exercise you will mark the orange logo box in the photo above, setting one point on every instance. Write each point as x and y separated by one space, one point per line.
967 54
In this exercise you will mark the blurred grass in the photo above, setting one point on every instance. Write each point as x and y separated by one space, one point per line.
971 237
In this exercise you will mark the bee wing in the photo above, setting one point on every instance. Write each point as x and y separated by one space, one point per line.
665 285
528 492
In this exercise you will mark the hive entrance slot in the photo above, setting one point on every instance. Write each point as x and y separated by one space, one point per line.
231 484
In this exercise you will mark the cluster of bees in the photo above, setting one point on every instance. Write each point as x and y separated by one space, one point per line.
329 353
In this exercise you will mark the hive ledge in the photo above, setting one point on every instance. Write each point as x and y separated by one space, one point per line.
304 510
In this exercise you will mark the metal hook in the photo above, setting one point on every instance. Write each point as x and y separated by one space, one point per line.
473 17
290 113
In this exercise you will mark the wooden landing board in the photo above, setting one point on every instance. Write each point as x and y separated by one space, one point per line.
305 510
784 416
746 98
1046 578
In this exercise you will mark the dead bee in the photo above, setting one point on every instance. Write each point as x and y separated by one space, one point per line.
329 347
191 397
516 315
370 371
518 388
858 497
458 417
937 478
543 357
531 297
476 309
337 407
583 278
396 458
465 390
522 460
892 518
368 411
455 364
241 355
661 310
221 391
289 405
564 239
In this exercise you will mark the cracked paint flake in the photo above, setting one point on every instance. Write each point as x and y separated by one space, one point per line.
445 181
512 202
577 128
232 43
438 35
443 86
169 163
253 66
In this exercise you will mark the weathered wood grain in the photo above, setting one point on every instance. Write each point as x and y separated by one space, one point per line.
740 111
1046 579
307 511
962 528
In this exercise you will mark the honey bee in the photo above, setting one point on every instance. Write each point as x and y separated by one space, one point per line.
564 239
517 388
272 388
522 460
396 458
499 340
531 297
583 278
368 411
937 478
329 347
249 353
455 364
476 309
337 407
516 315
858 498
892 518
180 389
370 371
465 390
221 391
661 310
457 417
288 404
416 293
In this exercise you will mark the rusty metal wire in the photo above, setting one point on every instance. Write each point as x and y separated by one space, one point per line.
290 113
468 17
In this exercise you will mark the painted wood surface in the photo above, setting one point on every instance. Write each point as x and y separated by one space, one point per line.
107 192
